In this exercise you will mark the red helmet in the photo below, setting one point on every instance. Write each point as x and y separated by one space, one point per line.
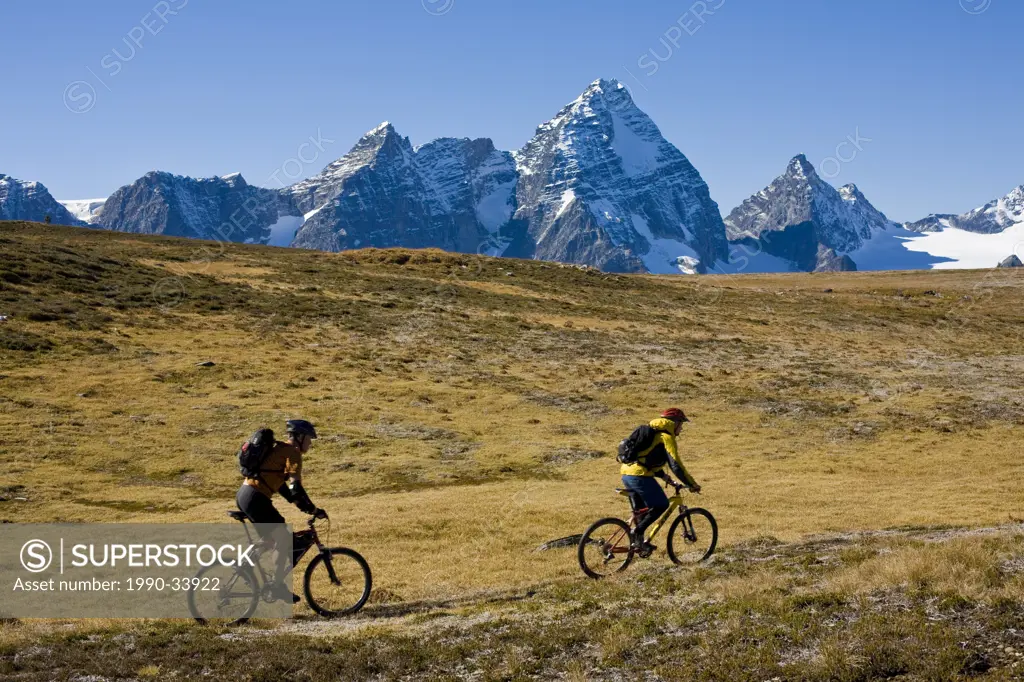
675 414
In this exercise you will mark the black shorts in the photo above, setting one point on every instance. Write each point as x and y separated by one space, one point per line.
257 507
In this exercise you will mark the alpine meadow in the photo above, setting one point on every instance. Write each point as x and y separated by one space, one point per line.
856 436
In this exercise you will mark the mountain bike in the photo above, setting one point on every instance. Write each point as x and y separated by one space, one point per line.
606 547
336 583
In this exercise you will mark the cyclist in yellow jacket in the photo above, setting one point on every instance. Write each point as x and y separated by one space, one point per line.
638 478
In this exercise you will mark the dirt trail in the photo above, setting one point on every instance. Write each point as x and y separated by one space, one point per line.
471 609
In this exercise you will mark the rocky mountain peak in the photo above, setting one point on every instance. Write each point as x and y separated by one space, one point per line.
995 216
604 89
30 200
799 168
600 185
450 193
222 208
234 180
603 85
380 147
383 133
1013 203
802 219
591 108
597 185
383 140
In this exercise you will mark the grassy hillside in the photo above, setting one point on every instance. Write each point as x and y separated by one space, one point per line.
470 407
909 605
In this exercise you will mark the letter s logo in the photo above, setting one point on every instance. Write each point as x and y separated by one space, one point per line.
36 556
79 97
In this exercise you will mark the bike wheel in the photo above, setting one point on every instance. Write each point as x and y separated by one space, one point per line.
692 537
605 548
223 595
337 582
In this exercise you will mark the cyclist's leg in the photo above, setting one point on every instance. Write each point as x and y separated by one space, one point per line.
261 511
654 499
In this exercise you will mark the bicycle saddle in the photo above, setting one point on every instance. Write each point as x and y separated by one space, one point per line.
622 491
238 515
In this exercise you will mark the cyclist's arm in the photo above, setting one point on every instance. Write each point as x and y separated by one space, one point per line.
300 498
665 477
676 464
286 492
296 493
669 480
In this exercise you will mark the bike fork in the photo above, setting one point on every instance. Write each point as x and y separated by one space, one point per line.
688 532
330 569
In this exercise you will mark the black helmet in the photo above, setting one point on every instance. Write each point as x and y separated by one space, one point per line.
301 427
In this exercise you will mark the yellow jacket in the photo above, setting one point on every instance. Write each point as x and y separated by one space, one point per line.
665 438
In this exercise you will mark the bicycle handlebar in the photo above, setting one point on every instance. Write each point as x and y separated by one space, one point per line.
313 519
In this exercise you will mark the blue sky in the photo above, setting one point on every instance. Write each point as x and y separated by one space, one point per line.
95 94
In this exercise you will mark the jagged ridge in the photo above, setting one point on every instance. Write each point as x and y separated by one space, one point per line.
995 216
223 208
600 185
28 200
802 219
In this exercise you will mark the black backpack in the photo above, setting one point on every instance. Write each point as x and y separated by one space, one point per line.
254 452
638 441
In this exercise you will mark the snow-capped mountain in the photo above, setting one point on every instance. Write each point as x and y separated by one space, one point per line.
26 200
596 185
86 210
600 185
223 208
802 219
977 239
475 184
454 194
995 216
800 222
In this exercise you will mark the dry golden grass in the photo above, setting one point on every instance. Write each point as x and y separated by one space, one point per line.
469 415
451 422
851 606
972 568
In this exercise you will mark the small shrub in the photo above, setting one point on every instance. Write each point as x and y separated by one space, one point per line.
23 341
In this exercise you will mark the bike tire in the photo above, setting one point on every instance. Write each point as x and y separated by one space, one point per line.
619 532
318 577
692 551
247 597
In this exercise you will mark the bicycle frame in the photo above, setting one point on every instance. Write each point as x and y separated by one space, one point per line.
262 548
675 502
